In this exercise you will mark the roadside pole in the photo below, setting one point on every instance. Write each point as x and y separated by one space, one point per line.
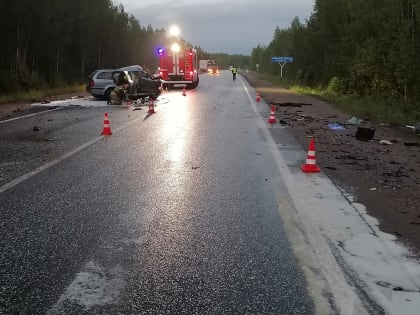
281 69
282 62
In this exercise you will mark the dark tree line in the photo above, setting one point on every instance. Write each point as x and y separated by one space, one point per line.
54 42
357 47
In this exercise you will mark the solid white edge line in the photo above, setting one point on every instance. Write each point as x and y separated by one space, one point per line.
30 115
344 296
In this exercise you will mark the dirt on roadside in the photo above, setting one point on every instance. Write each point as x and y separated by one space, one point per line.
382 173
14 109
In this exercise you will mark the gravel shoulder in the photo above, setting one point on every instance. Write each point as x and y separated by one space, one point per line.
382 175
15 109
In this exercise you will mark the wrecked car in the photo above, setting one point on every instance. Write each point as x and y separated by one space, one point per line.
137 82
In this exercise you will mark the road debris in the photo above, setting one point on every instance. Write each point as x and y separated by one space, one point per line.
335 126
289 104
354 121
365 134
385 142
411 144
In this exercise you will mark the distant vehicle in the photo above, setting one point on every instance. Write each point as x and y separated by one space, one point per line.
179 67
102 83
213 69
205 64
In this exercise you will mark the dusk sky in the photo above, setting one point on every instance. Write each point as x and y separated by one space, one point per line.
233 27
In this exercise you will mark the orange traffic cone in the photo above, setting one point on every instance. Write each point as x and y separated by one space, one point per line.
272 118
184 93
258 99
151 107
310 165
106 131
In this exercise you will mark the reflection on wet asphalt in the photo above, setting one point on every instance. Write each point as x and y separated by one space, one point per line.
175 214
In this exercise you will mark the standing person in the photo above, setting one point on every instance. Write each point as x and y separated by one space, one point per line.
234 71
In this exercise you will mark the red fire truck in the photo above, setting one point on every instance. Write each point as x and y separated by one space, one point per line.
178 67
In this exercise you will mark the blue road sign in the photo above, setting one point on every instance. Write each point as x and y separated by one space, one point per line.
282 59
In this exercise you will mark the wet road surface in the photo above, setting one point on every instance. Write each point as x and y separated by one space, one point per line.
175 213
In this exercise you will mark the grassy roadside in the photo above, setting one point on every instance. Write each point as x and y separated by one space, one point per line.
34 95
394 112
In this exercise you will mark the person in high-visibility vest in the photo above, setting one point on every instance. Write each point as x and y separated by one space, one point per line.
234 71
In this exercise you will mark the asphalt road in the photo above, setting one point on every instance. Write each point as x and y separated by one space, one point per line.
175 213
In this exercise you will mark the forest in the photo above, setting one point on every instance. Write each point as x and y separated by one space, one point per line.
46 43
352 47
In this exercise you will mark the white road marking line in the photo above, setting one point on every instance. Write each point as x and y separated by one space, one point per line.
43 167
26 116
93 286
344 296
